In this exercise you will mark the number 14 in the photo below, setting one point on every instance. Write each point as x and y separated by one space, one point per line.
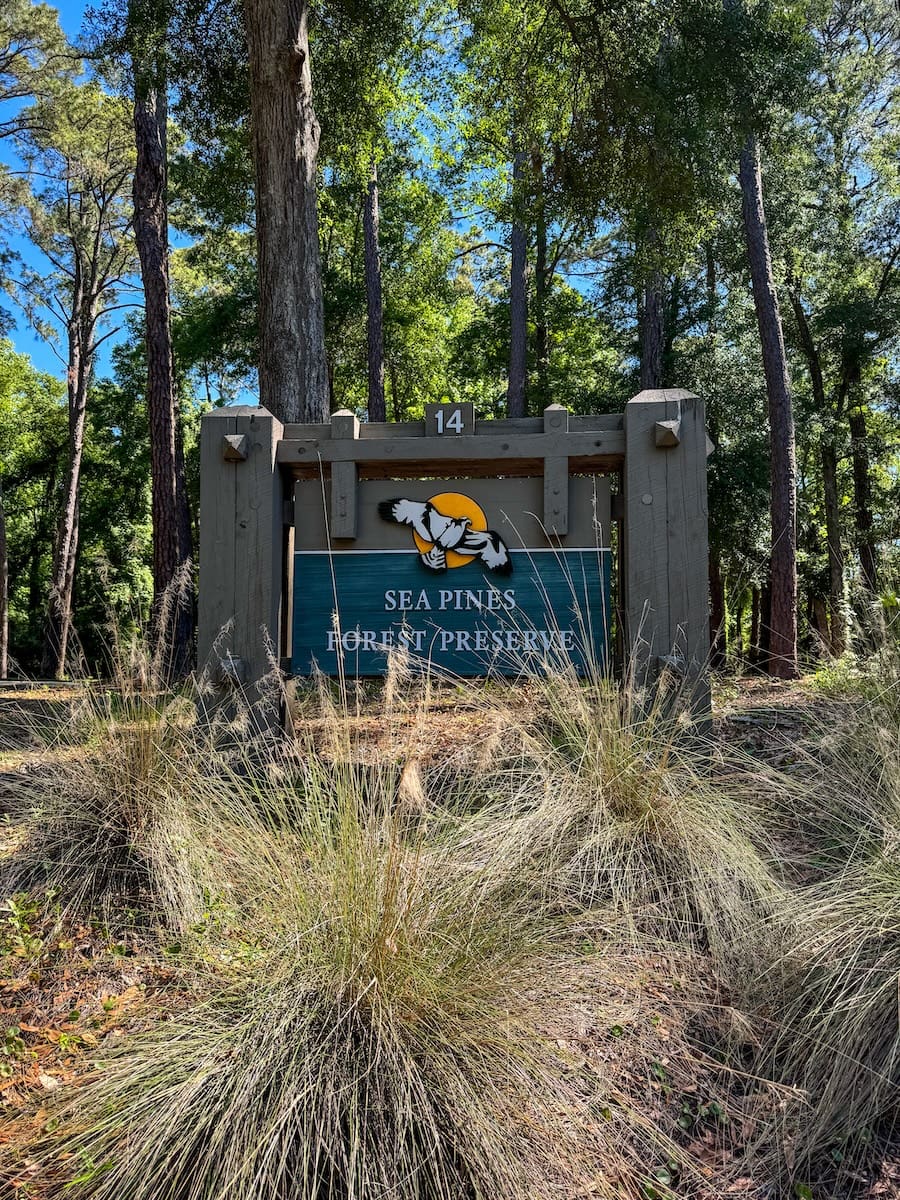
454 422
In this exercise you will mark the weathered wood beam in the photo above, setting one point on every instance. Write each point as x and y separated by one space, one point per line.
556 474
387 431
243 547
665 537
609 444
461 469
344 426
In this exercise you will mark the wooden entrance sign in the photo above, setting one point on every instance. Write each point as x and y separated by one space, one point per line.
475 545
458 572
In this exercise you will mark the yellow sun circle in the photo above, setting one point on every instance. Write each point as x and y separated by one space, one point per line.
455 504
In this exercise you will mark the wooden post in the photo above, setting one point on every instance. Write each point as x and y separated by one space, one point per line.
343 479
242 548
556 475
666 562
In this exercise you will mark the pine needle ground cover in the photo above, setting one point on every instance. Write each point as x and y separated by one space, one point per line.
453 942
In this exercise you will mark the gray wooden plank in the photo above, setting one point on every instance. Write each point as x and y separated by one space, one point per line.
343 500
344 424
556 495
688 540
217 517
259 550
387 431
646 542
502 449
513 508
519 468
665 539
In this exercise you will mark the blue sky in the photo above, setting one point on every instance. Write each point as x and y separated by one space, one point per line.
25 340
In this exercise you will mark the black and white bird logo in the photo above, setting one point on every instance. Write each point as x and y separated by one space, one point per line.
449 530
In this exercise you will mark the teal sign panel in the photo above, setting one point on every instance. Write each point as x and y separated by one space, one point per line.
469 608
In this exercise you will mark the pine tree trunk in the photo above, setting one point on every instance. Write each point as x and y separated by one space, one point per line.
518 304
670 329
837 633
541 288
171 521
652 331
396 405
43 533
374 311
782 648
755 605
819 620
293 369
862 497
837 628
65 552
736 634
185 522
4 590
717 636
765 623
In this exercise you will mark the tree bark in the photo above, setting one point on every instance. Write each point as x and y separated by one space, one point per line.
293 371
819 620
670 329
65 551
837 625
652 331
782 649
717 636
4 591
518 303
765 623
736 633
755 605
837 631
541 288
173 623
862 497
397 407
374 309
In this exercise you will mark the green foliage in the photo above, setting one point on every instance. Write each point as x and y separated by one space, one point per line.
629 128
33 57
32 447
423 308
21 916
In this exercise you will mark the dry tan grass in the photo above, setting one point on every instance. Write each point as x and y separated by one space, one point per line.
479 942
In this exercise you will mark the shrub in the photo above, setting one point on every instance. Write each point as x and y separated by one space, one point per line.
839 1036
108 821
870 672
377 1033
626 804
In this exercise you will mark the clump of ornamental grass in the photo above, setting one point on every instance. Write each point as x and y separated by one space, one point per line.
106 822
630 805
377 1031
839 1035
868 672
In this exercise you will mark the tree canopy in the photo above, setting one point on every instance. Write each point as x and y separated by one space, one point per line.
557 196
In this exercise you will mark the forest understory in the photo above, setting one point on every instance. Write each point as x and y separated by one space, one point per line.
456 940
